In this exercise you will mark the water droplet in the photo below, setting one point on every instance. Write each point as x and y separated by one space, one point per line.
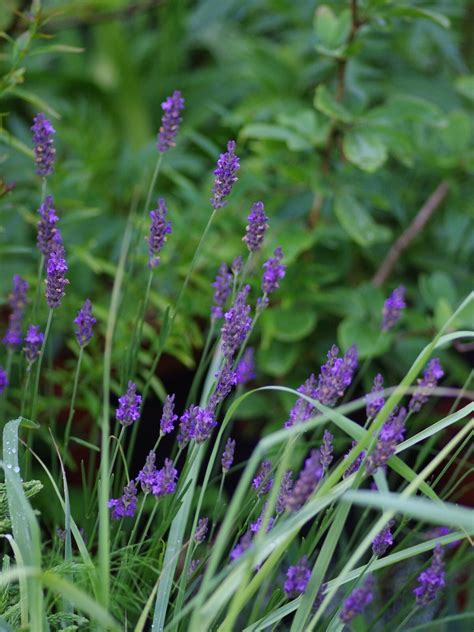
9 466
16 469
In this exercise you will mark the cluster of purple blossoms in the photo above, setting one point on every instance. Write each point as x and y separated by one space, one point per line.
84 323
256 228
374 399
228 455
326 450
243 545
33 341
383 540
17 302
226 380
43 145
236 266
222 289
273 272
245 369
355 465
128 411
303 410
308 480
426 384
286 487
170 121
237 324
432 580
262 483
168 417
160 227
126 505
193 566
297 578
257 525
225 176
47 226
391 433
3 379
358 600
392 308
56 268
158 482
201 530
146 476
196 423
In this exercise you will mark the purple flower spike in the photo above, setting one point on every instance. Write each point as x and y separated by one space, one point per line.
286 487
297 578
243 545
225 176
228 455
384 540
432 580
128 411
126 505
223 288
3 379
307 482
201 530
274 271
196 423
303 410
160 227
237 324
355 465
262 483
374 399
236 266
170 121
391 433
56 269
165 479
257 525
168 417
147 475
46 226
392 308
226 380
33 342
17 301
84 322
256 228
326 450
358 600
426 384
246 367
43 145
336 375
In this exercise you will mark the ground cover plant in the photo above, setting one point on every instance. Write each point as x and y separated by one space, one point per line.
351 509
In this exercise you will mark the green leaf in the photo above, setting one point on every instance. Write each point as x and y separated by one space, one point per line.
332 31
327 104
357 222
365 149
290 324
367 337
465 86
278 359
264 131
405 11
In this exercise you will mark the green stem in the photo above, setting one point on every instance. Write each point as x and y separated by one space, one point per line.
39 364
202 366
5 392
73 400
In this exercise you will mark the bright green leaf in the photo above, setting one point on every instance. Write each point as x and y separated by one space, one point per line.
327 104
357 222
365 149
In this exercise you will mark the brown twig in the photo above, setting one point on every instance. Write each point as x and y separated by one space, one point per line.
417 225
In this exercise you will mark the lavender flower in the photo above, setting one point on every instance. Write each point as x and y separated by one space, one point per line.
170 121
126 505
297 578
326 450
392 308
46 226
257 525
225 176
432 580
193 566
159 228
147 475
355 465
128 410
336 375
43 144
383 540
262 483
196 423
274 271
168 417
303 410
3 379
165 479
357 600
84 322
236 266
245 369
391 433
237 324
374 399
226 380
33 342
307 482
256 228
243 545
56 269
228 455
284 492
426 384
201 530
17 302
223 288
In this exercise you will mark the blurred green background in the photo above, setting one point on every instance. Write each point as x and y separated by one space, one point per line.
347 117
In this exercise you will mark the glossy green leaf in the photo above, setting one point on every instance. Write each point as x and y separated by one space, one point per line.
357 222
327 104
365 149
332 31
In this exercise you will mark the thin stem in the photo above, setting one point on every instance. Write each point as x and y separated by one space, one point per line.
73 399
202 366
219 498
39 364
8 370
